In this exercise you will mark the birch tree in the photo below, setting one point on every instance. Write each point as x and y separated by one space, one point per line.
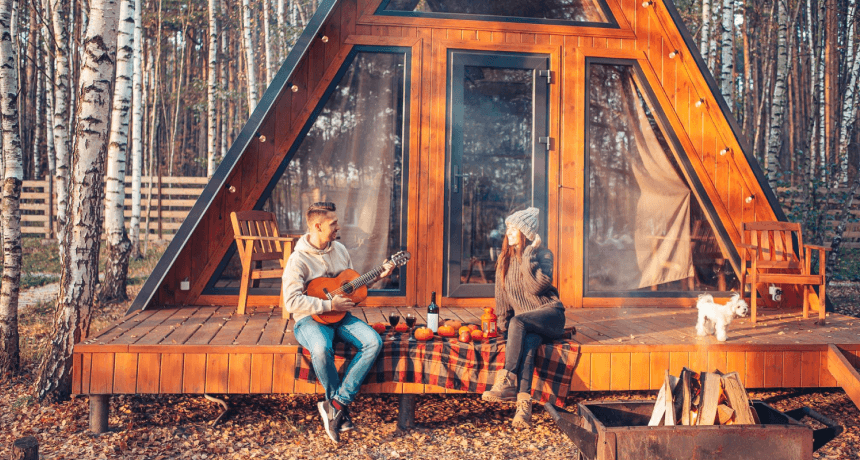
211 83
704 40
270 59
774 140
113 289
727 57
80 273
10 217
60 19
136 131
250 65
849 107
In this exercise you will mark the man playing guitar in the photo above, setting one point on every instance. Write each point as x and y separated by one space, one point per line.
316 255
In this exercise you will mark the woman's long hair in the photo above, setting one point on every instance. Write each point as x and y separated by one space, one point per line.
504 261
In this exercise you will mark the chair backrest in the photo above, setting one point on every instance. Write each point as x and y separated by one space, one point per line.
257 223
775 243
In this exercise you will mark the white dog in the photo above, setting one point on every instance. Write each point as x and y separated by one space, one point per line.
713 316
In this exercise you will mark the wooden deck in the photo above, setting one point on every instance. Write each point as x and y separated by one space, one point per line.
213 350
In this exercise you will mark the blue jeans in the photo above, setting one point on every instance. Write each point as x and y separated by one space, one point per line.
319 338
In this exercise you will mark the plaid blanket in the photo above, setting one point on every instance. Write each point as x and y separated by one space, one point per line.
452 364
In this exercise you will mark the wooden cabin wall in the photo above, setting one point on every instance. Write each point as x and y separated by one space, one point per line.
647 34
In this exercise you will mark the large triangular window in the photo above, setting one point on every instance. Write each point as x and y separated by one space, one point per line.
350 153
567 12
645 229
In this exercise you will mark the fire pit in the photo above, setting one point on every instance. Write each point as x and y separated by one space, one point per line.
619 430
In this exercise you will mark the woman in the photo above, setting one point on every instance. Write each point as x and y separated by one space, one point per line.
527 307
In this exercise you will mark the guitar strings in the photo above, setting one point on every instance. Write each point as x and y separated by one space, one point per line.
361 280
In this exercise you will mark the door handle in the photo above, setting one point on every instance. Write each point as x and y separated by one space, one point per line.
458 177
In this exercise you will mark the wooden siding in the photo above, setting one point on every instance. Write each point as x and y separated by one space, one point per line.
213 350
646 35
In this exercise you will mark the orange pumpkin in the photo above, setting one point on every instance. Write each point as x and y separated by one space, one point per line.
474 326
465 338
401 328
378 327
453 323
423 333
477 335
464 329
447 331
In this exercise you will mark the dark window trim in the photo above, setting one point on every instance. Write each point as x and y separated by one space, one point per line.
210 288
610 24
539 198
682 160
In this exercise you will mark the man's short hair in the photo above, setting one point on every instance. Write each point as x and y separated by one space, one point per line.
319 210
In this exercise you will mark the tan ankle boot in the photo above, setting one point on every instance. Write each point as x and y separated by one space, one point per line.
523 417
504 388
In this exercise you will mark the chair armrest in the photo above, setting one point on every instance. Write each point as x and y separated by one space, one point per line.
820 248
266 238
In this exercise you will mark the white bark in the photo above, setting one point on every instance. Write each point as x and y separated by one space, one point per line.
282 44
136 130
705 39
774 140
80 273
183 38
10 210
60 11
727 58
223 88
250 65
38 83
849 107
211 88
270 59
117 241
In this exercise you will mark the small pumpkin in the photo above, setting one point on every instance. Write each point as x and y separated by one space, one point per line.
463 329
453 323
474 327
401 328
423 333
477 335
465 338
447 331
378 327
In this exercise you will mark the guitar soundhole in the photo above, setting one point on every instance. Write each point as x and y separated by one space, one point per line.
347 288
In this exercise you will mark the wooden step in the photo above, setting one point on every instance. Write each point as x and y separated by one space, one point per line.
844 373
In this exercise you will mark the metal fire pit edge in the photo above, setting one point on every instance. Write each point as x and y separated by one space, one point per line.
619 430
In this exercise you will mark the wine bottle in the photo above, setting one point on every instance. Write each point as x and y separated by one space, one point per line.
433 314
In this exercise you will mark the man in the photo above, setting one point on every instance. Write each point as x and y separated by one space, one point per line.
316 255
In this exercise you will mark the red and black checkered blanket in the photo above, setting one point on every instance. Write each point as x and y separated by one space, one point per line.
452 364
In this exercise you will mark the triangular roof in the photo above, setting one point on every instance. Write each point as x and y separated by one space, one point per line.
279 88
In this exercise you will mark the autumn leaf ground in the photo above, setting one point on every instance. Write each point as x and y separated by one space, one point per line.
276 426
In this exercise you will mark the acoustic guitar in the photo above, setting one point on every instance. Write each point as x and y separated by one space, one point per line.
348 284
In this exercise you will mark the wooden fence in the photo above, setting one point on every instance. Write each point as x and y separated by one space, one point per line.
832 207
167 202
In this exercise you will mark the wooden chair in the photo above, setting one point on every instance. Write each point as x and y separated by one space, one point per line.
258 240
770 256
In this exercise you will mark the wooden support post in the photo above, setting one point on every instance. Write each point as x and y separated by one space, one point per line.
406 412
25 449
99 409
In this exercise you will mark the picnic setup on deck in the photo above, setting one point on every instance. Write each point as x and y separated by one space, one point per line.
428 123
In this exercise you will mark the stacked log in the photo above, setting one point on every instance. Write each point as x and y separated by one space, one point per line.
706 398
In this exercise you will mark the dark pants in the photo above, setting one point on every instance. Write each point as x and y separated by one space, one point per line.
526 332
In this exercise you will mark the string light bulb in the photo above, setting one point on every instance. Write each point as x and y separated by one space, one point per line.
700 102
323 38
293 87
261 137
750 198
673 54
231 188
646 4
725 151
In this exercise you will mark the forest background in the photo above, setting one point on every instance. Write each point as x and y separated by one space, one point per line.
93 91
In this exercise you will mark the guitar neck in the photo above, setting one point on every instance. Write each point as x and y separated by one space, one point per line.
367 277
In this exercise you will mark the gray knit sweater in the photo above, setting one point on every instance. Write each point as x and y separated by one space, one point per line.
528 286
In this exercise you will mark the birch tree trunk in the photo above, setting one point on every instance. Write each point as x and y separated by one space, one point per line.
270 59
10 209
184 39
60 20
113 288
250 65
849 107
211 87
80 272
136 131
704 40
774 141
36 142
727 58
282 44
223 85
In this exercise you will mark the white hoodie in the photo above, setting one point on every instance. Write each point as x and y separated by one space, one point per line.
306 264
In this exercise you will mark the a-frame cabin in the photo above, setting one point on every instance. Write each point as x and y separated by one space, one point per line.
428 122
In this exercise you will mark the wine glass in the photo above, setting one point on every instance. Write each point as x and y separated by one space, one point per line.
410 321
393 319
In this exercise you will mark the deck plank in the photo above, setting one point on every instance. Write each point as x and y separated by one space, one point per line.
204 334
167 327
181 334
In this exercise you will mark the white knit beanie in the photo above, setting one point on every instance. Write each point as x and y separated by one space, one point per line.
525 221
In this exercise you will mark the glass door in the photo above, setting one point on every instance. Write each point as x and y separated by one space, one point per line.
497 159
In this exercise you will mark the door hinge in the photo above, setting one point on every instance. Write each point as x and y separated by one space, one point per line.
547 141
547 74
